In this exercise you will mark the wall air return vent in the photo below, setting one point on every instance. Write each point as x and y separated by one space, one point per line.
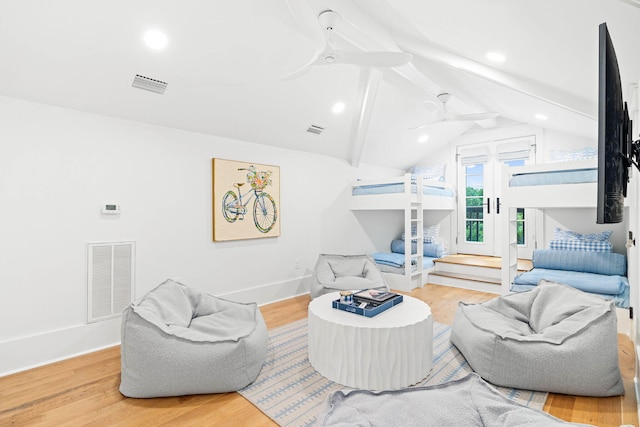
315 129
110 273
147 83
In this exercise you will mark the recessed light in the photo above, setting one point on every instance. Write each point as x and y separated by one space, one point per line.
155 39
496 57
338 107
541 117
423 138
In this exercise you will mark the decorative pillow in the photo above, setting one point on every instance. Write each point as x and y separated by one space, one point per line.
609 263
581 245
576 154
433 250
430 173
561 234
429 234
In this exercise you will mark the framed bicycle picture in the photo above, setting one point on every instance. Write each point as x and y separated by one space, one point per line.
246 200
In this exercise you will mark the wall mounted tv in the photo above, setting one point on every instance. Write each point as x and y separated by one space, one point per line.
616 149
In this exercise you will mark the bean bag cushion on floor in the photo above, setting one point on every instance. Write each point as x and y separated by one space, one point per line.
553 338
178 341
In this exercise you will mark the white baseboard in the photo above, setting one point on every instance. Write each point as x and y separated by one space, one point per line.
36 350
29 352
272 292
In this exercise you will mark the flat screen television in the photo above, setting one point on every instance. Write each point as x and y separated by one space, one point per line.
615 146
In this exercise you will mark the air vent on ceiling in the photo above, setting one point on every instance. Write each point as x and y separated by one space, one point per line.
315 129
147 83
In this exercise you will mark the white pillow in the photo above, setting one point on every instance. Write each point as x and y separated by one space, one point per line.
428 173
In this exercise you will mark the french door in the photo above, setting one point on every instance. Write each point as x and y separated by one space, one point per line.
479 208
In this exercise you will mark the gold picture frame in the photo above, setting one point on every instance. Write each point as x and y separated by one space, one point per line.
246 200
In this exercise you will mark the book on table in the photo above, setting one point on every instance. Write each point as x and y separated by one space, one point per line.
373 296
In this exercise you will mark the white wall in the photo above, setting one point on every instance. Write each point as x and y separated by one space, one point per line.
57 167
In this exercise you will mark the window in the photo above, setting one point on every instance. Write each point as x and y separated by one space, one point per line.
474 203
520 226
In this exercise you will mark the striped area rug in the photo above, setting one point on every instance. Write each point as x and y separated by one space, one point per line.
292 393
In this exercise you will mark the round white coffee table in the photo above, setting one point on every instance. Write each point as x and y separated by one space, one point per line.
390 351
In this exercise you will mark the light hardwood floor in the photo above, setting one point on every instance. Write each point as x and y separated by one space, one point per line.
84 390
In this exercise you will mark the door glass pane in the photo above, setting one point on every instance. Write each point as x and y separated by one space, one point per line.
520 226
474 179
520 221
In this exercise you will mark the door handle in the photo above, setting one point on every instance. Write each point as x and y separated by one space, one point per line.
488 205
498 205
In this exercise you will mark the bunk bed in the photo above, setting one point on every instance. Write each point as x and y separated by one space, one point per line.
557 185
403 269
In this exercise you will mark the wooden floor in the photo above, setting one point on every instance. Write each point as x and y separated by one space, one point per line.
84 390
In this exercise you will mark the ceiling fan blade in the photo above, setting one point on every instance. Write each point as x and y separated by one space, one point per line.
472 117
316 59
438 120
374 59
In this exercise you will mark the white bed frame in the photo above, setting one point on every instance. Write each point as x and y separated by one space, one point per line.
397 200
540 197
413 206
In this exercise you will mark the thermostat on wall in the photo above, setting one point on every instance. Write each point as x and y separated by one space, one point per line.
110 209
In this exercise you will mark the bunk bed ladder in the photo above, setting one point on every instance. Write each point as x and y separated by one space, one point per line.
510 249
413 218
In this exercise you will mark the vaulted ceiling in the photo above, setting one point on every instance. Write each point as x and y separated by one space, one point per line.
225 61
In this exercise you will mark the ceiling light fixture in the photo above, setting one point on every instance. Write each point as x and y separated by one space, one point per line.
496 57
155 39
338 107
541 117
423 138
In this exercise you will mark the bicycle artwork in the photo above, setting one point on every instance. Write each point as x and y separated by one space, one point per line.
246 198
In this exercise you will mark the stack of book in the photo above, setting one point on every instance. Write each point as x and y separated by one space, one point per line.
369 302
372 297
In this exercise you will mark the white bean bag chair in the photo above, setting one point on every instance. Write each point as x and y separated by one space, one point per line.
177 341
552 338
344 273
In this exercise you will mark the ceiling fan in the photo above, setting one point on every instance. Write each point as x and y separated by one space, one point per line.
442 115
328 54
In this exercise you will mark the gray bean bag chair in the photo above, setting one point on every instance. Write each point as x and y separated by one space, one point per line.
552 338
178 341
345 272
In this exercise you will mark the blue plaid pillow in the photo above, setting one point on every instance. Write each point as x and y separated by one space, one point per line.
561 234
430 173
429 234
581 245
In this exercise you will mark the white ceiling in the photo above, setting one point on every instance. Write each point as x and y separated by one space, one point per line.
225 60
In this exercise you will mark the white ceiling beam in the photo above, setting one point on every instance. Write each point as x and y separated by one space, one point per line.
523 85
365 100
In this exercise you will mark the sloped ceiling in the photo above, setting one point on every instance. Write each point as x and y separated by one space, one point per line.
225 61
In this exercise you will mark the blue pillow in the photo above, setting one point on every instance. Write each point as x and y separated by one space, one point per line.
433 250
581 245
560 234
429 234
608 263
430 173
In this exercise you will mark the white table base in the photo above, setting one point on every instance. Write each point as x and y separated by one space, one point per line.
389 351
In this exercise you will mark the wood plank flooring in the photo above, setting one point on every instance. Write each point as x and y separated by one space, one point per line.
84 390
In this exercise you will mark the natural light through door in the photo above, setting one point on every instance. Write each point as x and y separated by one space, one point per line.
479 183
